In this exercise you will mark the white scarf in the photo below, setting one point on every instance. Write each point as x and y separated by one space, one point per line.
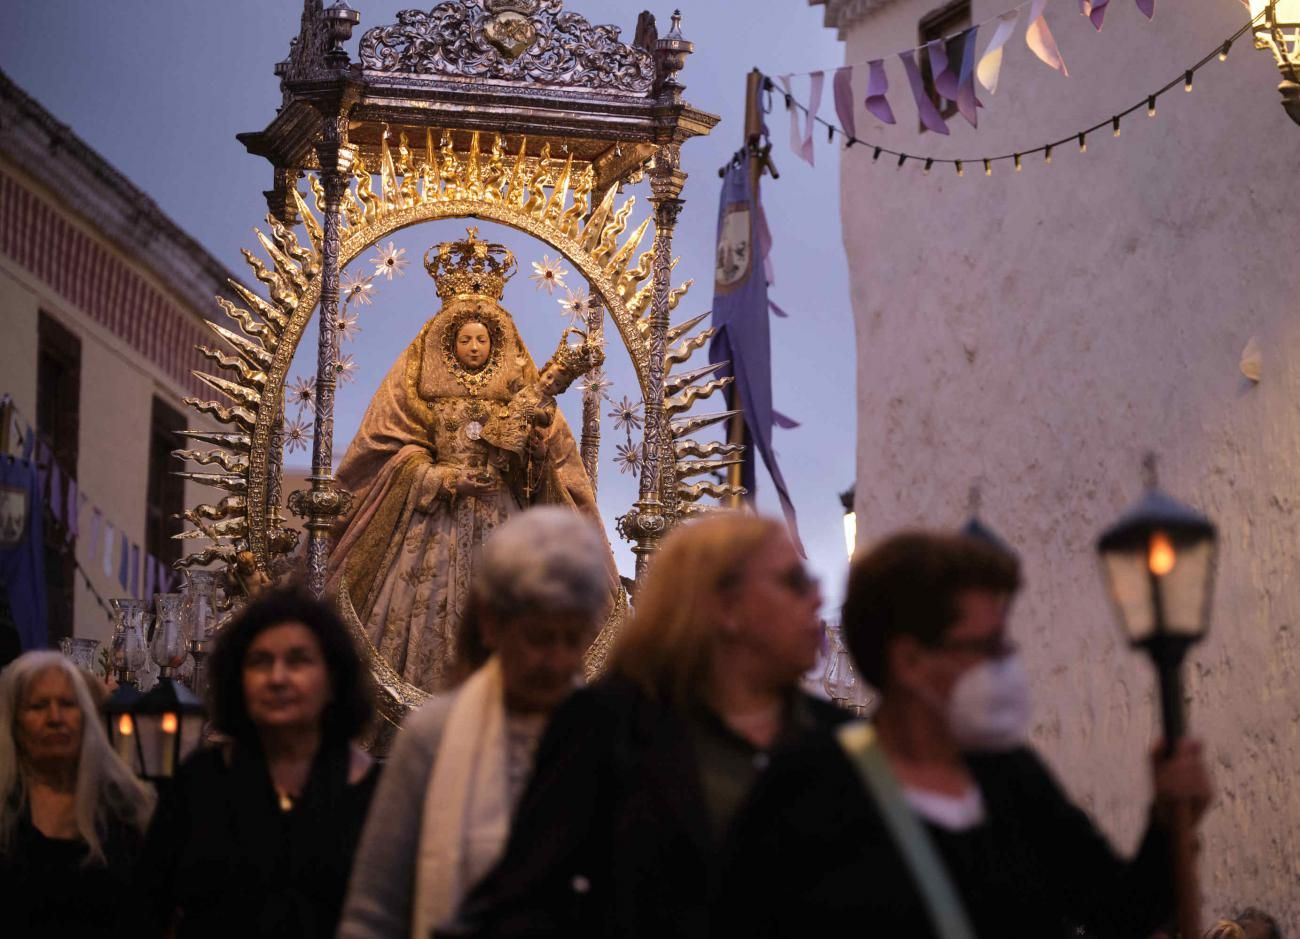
467 807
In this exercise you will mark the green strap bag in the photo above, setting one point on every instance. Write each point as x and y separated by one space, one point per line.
937 891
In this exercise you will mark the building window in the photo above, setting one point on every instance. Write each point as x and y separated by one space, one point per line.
948 20
58 421
166 490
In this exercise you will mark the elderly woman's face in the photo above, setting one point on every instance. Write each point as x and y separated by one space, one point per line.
540 655
48 730
772 610
286 680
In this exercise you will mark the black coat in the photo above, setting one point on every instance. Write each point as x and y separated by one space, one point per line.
222 860
810 855
612 838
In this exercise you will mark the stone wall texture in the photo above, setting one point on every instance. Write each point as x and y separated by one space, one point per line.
1037 332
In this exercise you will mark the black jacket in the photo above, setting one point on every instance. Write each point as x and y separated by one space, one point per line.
809 855
612 838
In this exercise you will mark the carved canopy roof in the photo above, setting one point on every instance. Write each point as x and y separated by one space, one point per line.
526 68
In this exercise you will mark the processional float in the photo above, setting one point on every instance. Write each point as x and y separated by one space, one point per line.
509 111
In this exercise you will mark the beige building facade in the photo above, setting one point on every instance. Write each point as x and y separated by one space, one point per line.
101 302
1036 332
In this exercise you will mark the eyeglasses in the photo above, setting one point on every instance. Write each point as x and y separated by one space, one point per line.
991 647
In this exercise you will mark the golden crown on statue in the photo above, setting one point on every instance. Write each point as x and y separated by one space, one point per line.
577 359
470 268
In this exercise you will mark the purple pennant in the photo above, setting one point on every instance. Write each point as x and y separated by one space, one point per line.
56 492
1095 11
844 99
71 519
150 576
930 117
1148 7
877 86
796 139
95 541
771 305
124 562
967 103
109 541
945 82
135 571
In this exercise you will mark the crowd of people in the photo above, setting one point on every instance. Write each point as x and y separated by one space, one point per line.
693 790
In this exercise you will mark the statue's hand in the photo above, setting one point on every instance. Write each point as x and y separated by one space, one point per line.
537 442
467 485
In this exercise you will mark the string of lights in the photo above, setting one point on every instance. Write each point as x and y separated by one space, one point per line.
1016 157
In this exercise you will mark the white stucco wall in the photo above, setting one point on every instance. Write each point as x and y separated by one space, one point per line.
1037 332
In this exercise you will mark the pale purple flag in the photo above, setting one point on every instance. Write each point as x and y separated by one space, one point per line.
124 561
877 87
150 576
967 103
929 114
796 138
135 571
990 64
1095 10
72 508
95 541
844 99
56 493
109 541
945 81
1040 40
1148 7
815 82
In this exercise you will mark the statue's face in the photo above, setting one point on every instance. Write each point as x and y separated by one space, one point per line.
551 380
473 346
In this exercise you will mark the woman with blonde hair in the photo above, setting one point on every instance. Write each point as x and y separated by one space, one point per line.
72 815
638 776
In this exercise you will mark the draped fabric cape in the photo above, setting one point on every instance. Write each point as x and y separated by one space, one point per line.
394 463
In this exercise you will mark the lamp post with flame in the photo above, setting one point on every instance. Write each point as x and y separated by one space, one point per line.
1158 562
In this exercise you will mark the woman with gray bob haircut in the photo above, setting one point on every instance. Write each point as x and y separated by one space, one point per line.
542 588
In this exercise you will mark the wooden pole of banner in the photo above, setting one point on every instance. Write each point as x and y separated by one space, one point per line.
736 431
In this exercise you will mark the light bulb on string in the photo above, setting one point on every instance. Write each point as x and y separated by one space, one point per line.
875 155
1187 80
1047 154
1223 53
1114 123
960 171
1151 106
830 133
988 168
902 158
929 162
1017 159
1083 143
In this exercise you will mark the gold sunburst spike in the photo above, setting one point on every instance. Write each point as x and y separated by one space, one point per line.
231 482
227 461
241 442
571 220
370 205
676 383
687 347
429 177
697 491
560 194
515 193
406 169
495 173
309 221
272 315
230 528
473 178
690 423
681 329
254 353
687 468
237 416
233 363
288 242
284 265
226 508
609 237
711 448
595 226
686 400
284 295
617 265
627 284
675 295
450 168
538 182
250 324
640 303
233 390
224 553
318 193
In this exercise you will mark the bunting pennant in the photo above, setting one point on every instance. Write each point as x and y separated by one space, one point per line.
124 561
150 577
929 114
1148 7
109 541
967 104
796 138
815 82
945 82
56 492
843 89
71 512
990 65
1040 40
877 87
1095 10
96 543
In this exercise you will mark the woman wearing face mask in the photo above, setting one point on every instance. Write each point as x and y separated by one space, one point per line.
940 822
254 838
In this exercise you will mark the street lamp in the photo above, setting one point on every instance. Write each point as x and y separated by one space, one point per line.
1277 28
1158 562
153 732
850 520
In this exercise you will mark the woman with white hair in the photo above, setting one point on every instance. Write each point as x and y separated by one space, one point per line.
72 815
442 812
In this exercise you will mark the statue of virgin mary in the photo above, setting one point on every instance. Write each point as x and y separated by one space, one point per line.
428 485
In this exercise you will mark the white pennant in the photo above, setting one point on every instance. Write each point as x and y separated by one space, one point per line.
990 65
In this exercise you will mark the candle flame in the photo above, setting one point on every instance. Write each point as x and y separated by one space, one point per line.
1160 555
169 723
124 726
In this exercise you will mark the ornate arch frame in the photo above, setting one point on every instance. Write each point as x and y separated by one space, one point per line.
539 120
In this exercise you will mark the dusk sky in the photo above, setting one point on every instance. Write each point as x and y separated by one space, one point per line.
160 88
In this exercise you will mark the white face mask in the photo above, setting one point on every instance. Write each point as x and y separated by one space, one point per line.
989 707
